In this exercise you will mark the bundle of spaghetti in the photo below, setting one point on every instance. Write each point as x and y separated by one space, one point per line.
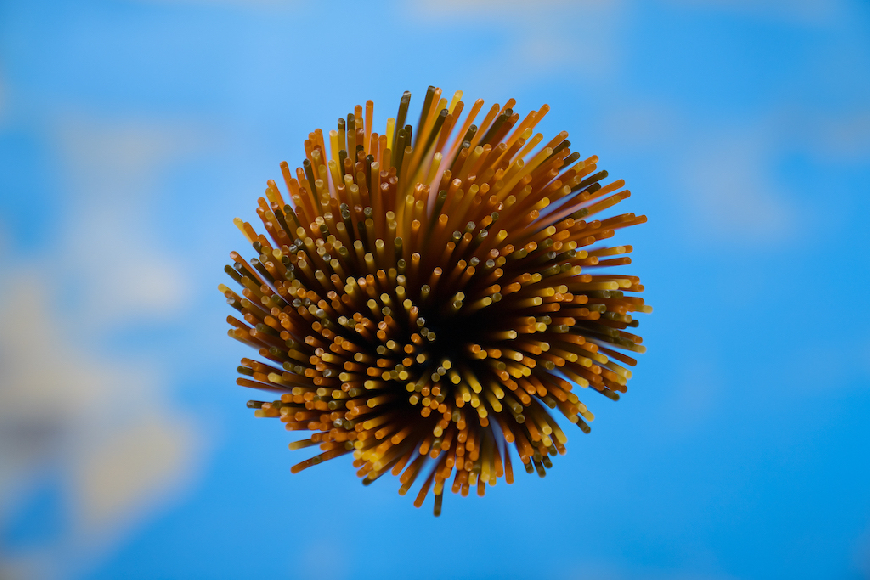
425 299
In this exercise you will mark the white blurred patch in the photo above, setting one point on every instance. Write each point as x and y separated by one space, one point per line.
103 428
726 177
133 468
111 231
130 279
99 426
729 175
643 125
841 138
547 37
730 189
113 157
41 374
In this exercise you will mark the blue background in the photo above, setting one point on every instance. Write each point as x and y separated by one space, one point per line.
132 133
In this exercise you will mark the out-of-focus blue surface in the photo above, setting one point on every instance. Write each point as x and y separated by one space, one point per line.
131 133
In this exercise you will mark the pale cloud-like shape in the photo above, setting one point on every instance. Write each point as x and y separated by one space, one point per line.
726 175
38 372
728 186
544 40
643 125
121 475
117 161
102 427
130 278
840 138
110 233
729 175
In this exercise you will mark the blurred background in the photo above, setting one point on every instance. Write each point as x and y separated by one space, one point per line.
133 132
